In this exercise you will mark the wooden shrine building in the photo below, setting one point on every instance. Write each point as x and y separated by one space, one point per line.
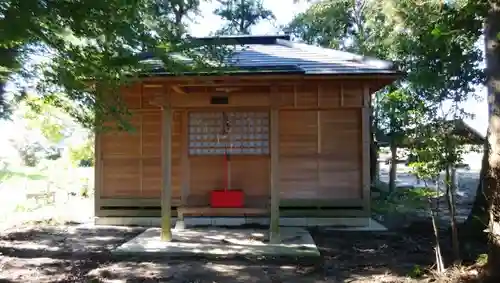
287 137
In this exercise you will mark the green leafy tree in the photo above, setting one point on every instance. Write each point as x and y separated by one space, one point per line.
45 129
64 27
173 13
241 15
83 154
438 147
354 26
397 108
92 50
53 124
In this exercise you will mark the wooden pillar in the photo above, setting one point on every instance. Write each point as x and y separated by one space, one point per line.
97 173
185 157
365 146
274 229
179 223
166 193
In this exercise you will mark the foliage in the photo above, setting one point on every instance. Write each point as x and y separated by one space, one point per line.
85 189
45 129
83 155
173 13
8 172
397 109
30 153
416 271
241 15
424 38
404 201
53 124
22 208
482 259
434 152
355 26
62 27
91 50
5 173
443 65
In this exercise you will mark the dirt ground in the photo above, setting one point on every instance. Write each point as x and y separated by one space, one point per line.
79 253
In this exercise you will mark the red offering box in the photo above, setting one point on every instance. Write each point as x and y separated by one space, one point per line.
226 198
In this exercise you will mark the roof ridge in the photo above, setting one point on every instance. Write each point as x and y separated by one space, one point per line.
242 39
371 61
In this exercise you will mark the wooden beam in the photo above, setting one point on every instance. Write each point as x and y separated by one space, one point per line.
365 146
178 89
146 111
216 84
136 202
274 233
384 79
366 96
148 85
315 108
166 195
297 212
159 99
321 203
123 212
262 200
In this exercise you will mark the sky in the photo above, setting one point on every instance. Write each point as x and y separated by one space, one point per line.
284 10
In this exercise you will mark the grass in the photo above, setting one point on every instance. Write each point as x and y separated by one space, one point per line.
22 173
402 200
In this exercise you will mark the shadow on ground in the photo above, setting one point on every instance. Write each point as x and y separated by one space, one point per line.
73 253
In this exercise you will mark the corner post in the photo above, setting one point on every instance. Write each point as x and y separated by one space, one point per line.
365 141
97 172
166 193
274 233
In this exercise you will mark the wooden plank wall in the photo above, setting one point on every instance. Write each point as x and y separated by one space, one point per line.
320 152
131 161
320 145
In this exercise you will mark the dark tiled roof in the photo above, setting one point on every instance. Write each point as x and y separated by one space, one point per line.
257 54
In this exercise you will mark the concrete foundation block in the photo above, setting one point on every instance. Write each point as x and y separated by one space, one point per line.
228 221
293 221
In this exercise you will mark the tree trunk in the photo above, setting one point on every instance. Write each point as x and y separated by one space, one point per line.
450 197
392 172
492 47
8 60
437 246
478 218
